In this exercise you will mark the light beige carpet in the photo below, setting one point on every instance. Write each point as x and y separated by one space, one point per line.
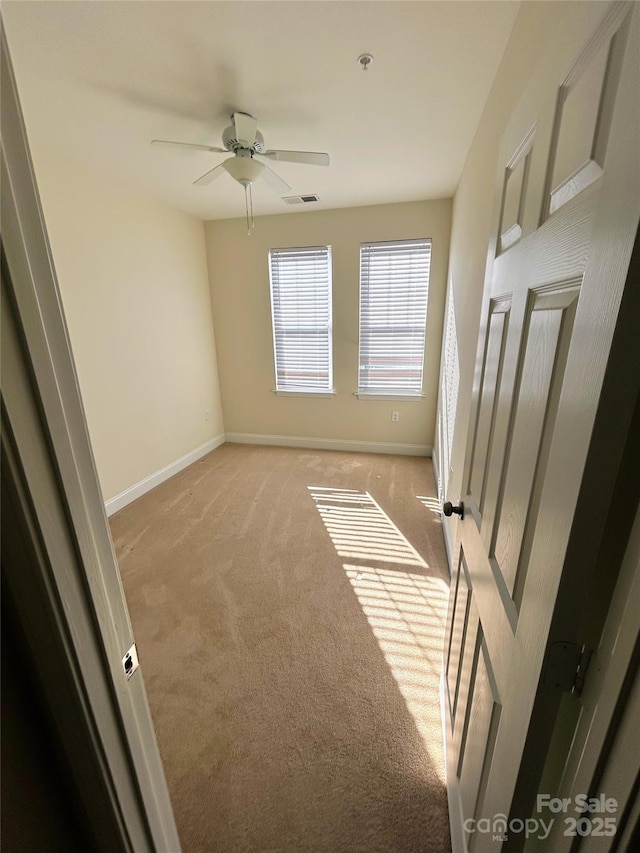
289 611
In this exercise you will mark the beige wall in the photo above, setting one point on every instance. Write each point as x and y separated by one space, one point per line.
555 26
239 276
133 278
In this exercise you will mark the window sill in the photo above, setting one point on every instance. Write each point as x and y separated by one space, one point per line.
279 392
365 395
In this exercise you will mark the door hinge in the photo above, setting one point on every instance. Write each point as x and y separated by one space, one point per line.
566 667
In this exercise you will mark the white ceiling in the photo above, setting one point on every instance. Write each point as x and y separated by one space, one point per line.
101 79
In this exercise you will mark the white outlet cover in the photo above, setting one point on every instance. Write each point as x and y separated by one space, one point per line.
130 661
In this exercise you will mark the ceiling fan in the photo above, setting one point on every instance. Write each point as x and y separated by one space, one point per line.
245 141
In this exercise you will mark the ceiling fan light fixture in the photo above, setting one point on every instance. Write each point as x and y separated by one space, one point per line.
244 170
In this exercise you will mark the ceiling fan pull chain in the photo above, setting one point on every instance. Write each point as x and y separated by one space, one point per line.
251 203
246 208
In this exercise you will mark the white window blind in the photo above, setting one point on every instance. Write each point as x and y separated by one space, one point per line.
301 311
394 287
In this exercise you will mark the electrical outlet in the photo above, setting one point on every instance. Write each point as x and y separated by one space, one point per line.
395 417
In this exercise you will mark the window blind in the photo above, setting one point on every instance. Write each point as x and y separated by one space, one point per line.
301 311
394 287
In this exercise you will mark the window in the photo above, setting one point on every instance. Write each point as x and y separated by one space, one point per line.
394 286
301 311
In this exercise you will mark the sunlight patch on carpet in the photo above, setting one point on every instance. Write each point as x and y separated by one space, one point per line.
353 518
405 609
432 504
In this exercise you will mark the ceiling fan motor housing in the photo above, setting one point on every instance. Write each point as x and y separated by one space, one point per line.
232 143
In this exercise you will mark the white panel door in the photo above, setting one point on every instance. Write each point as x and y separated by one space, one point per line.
570 203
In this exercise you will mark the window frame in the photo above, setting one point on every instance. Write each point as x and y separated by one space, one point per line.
300 390
389 392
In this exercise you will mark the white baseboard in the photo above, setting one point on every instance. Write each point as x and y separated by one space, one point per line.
144 486
131 494
329 444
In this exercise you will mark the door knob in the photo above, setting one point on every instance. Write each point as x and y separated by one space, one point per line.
449 509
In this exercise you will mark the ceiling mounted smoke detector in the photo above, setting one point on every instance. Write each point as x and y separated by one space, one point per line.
365 60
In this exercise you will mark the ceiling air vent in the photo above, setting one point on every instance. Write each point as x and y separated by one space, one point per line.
300 199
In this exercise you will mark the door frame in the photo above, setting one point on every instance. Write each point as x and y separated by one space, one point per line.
68 596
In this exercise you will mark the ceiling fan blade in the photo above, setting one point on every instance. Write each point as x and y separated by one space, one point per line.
246 128
316 158
209 176
189 145
275 181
